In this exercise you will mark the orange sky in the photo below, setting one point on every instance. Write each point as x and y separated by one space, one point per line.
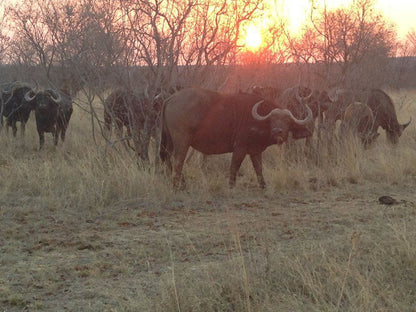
400 12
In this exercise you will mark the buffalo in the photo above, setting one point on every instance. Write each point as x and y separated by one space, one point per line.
64 113
385 115
214 123
53 110
358 121
14 107
124 108
380 104
137 113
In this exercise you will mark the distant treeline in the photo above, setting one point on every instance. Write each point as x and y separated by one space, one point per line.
395 73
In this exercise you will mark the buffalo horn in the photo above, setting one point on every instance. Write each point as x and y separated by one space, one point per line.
278 111
300 98
300 122
403 126
28 96
407 123
55 96
256 115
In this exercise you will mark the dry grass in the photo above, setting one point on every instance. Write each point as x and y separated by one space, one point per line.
83 228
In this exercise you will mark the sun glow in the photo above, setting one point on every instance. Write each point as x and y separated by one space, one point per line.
253 38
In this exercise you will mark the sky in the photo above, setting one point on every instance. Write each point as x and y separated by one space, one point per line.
400 12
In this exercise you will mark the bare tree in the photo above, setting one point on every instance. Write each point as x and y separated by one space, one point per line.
343 40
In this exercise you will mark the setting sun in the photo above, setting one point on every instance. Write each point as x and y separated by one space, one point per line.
253 38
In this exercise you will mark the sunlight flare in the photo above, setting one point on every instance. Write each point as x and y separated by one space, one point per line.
253 38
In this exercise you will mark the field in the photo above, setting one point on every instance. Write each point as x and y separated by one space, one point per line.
83 228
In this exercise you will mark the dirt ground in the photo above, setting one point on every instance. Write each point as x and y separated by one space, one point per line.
124 257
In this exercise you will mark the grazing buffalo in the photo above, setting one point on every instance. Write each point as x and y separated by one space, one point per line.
215 123
385 115
14 107
53 110
358 121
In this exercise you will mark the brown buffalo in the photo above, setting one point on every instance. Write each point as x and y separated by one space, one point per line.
214 123
358 121
385 115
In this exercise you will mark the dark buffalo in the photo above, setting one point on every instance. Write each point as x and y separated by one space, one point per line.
358 121
64 113
215 123
14 107
137 113
53 110
385 115
124 108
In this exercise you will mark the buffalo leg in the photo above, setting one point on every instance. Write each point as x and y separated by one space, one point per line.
22 129
179 155
258 168
41 139
14 128
55 137
236 160
7 126
63 131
